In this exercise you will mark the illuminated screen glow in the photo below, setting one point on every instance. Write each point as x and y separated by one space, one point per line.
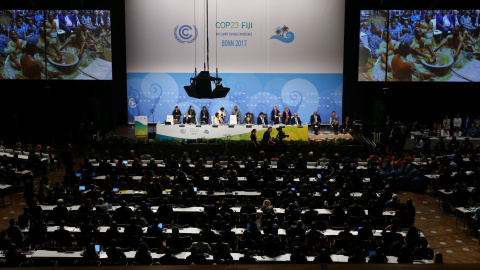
419 45
55 45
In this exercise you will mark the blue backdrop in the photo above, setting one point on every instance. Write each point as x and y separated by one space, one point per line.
156 94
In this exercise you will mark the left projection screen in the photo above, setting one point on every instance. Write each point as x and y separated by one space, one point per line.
55 44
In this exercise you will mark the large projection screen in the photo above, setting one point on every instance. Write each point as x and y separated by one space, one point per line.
269 52
55 45
419 45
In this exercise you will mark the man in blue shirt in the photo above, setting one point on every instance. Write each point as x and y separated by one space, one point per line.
472 131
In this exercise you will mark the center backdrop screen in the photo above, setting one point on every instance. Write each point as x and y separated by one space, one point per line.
282 53
55 45
419 45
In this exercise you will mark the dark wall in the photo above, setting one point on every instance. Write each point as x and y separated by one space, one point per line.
424 101
49 112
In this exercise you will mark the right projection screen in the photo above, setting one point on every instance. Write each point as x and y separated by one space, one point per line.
419 45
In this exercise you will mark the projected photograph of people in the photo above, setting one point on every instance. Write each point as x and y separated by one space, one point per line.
55 44
419 45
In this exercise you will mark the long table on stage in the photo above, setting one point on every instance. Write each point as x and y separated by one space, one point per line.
230 132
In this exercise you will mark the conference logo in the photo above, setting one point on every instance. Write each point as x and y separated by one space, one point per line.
185 33
132 103
283 34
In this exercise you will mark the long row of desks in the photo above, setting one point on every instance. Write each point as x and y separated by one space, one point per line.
285 258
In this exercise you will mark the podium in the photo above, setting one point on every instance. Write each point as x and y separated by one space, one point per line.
233 120
169 120
141 127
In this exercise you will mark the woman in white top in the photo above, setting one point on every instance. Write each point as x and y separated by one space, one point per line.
217 119
445 132
222 114
446 122
457 121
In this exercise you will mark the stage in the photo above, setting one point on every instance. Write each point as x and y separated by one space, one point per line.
233 132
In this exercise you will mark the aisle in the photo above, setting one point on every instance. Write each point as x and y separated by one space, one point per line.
456 245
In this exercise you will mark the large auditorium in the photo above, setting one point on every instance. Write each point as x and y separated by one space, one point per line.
317 134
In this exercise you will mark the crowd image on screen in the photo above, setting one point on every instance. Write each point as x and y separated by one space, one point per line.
419 45
55 44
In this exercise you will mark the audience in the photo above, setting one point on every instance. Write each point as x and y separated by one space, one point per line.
305 231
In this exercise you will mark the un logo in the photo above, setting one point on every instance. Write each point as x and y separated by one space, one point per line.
185 33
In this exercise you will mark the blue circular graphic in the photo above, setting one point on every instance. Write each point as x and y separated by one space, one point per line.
301 96
185 33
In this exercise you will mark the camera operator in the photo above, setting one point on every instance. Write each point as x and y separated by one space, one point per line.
267 138
281 135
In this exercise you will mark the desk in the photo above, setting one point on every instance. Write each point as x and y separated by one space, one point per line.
443 196
285 258
446 194
3 189
466 212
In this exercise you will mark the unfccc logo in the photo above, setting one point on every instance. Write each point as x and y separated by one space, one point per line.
184 33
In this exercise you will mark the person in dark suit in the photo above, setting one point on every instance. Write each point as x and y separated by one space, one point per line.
295 120
115 254
63 238
347 126
315 120
60 212
168 258
188 119
76 18
476 23
97 21
247 258
279 119
204 115
267 138
356 209
274 113
176 115
262 120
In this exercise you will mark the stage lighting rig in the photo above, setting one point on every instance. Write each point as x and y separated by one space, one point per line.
201 86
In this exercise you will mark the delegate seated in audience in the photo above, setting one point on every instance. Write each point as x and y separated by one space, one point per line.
196 258
62 237
201 246
89 255
15 233
14 256
168 258
221 251
143 255
115 254
304 238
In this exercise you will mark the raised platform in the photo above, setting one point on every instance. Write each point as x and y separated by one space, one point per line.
235 132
